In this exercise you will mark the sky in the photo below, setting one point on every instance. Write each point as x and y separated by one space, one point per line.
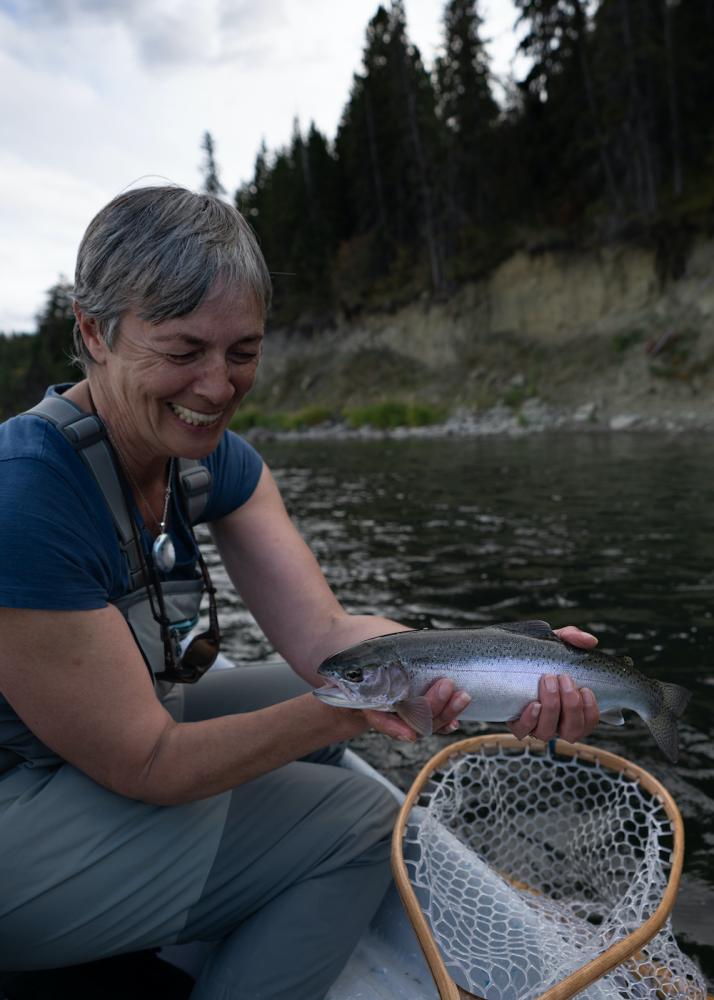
100 95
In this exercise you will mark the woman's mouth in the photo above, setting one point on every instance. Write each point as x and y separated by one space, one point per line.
193 417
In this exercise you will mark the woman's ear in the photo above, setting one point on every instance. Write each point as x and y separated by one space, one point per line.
89 329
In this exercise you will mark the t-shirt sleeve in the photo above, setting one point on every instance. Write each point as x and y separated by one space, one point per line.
53 554
235 467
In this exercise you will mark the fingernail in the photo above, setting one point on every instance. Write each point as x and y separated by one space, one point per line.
567 683
535 709
453 726
588 697
551 683
444 689
460 702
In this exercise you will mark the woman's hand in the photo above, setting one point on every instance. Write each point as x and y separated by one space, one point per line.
561 709
446 705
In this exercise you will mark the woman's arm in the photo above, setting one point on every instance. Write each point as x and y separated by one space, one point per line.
79 682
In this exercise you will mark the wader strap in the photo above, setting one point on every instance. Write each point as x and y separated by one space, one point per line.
88 435
83 430
195 480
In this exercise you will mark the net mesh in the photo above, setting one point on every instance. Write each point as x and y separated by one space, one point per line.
528 865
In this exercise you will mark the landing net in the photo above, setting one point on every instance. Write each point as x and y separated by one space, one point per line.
530 865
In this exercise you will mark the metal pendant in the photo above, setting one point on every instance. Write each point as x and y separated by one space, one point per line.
163 553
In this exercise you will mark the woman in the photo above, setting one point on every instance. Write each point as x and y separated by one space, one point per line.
136 811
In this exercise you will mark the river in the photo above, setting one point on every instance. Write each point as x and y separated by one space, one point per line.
611 532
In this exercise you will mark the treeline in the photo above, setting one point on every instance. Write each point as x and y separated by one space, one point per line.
31 362
430 180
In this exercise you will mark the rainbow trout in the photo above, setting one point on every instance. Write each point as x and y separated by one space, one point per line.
499 666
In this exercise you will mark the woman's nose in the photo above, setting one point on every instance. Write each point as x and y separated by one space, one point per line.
214 383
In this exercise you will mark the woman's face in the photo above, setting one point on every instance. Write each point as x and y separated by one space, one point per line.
171 388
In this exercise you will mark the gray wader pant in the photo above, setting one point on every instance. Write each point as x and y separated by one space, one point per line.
284 872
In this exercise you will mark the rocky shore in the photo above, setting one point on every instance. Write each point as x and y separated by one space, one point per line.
533 417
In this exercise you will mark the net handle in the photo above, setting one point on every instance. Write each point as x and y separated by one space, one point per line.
612 956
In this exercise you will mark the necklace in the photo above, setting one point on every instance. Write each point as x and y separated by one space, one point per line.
162 551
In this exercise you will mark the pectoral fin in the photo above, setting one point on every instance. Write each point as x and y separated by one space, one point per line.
416 712
613 717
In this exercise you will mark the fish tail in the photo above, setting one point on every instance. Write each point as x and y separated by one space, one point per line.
676 698
663 724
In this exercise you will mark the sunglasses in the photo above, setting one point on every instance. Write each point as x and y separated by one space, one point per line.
189 665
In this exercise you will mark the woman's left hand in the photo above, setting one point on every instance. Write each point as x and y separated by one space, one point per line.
562 709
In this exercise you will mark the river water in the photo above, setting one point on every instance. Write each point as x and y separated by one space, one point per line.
611 532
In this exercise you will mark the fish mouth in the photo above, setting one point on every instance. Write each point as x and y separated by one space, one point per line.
333 694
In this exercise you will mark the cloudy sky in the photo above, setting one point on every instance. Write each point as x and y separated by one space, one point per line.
100 95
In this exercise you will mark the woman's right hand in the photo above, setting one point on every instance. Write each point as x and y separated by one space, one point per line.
446 703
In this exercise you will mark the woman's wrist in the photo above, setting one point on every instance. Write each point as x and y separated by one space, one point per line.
342 723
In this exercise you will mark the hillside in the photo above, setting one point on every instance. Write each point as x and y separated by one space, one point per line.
596 337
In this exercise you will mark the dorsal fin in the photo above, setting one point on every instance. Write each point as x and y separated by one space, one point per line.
534 629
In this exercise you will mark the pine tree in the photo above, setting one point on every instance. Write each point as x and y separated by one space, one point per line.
211 181
52 345
469 113
385 146
568 106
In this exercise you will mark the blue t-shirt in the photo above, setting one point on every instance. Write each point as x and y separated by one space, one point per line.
59 549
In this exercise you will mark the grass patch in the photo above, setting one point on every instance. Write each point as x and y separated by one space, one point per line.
385 415
308 416
248 417
393 413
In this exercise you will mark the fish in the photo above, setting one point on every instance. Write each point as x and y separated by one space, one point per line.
499 666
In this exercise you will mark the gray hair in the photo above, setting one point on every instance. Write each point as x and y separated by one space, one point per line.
159 251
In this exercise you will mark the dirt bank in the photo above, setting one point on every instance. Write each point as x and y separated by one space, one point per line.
594 338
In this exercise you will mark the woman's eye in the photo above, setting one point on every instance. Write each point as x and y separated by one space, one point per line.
182 358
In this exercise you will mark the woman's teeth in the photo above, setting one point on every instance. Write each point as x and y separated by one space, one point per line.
193 417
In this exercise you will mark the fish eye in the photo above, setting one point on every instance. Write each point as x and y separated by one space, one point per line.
354 674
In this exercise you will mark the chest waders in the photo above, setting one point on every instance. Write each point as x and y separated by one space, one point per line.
182 598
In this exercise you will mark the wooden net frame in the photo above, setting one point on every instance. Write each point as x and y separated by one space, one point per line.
613 956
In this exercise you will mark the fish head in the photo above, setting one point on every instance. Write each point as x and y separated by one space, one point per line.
360 679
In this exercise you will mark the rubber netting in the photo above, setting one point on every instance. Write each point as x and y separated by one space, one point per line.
527 865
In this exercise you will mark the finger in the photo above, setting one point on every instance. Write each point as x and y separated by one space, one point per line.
591 712
576 637
452 710
391 725
439 695
549 697
524 726
451 727
572 717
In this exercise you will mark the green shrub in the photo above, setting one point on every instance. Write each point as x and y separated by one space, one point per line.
246 417
308 416
393 413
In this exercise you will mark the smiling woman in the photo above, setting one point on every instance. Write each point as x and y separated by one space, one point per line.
137 808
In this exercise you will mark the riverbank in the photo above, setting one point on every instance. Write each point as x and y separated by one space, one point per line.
533 417
551 340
